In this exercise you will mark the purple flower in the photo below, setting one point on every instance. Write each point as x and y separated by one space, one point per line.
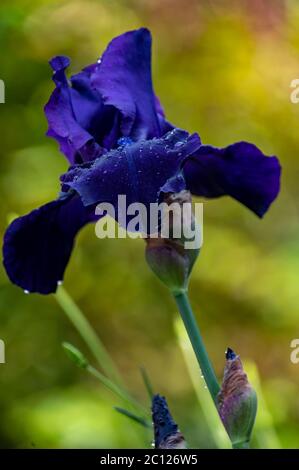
112 129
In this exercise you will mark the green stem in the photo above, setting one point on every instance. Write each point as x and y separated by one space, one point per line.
241 445
213 420
145 423
88 334
194 334
123 394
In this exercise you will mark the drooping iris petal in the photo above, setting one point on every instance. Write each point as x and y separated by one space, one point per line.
240 170
37 246
72 113
139 170
123 78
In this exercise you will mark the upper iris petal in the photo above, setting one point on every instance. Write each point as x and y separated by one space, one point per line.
62 112
123 78
107 100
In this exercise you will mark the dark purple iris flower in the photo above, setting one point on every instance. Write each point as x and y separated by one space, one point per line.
112 129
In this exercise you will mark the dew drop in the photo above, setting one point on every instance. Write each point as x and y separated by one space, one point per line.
124 141
59 283
178 144
26 291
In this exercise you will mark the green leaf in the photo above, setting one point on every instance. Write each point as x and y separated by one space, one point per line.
147 382
138 419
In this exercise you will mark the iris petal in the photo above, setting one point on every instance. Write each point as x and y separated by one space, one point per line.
124 80
37 246
139 171
107 100
240 170
72 113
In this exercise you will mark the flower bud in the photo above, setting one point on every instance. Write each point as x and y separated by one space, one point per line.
167 434
75 355
167 254
237 402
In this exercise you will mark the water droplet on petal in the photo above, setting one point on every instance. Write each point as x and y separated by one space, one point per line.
178 144
124 141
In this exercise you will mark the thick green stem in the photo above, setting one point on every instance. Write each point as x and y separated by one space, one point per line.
88 334
241 445
193 331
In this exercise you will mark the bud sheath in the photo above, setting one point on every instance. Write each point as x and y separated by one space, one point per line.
237 402
166 254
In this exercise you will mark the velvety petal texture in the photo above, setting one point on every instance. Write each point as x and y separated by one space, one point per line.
37 246
240 170
138 170
107 100
123 78
66 104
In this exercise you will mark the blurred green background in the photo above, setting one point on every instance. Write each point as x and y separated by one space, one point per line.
222 68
